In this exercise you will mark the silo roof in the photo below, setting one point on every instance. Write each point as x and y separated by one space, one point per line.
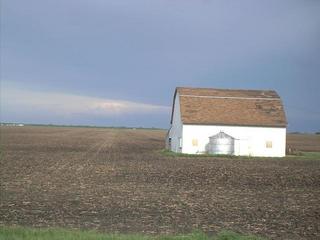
222 135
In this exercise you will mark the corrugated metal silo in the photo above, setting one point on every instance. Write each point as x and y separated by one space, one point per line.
221 143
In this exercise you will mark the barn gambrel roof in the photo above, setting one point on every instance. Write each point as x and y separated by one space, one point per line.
209 106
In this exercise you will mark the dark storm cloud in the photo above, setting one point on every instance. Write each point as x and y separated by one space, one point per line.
139 51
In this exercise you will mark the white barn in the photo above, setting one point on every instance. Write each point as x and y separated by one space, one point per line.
224 121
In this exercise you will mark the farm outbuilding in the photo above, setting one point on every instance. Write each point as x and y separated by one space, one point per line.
225 121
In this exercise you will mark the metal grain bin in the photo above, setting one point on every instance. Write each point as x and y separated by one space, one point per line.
221 143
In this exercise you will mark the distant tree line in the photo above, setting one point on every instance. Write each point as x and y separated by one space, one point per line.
317 133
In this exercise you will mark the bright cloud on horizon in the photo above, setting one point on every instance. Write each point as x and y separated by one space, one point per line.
66 105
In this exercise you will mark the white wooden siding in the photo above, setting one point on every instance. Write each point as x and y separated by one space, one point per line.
250 141
175 132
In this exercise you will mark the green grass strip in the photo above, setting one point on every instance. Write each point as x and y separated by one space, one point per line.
299 156
22 233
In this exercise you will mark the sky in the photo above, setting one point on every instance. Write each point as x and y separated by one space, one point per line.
117 63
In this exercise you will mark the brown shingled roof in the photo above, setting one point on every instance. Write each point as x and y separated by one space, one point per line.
231 107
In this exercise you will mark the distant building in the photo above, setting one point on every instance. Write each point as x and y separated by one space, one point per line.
225 121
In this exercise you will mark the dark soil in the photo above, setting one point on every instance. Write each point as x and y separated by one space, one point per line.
304 142
119 181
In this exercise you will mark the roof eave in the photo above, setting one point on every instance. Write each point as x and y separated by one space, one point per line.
173 104
238 125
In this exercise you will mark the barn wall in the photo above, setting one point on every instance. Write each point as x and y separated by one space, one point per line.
250 141
175 132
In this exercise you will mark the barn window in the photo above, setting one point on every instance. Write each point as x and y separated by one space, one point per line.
194 142
180 143
268 144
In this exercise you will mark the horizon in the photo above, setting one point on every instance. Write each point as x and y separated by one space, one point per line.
116 127
111 63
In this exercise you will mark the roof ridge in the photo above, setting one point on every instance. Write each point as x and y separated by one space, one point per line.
227 89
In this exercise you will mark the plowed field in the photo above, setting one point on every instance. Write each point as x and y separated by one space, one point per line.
119 181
